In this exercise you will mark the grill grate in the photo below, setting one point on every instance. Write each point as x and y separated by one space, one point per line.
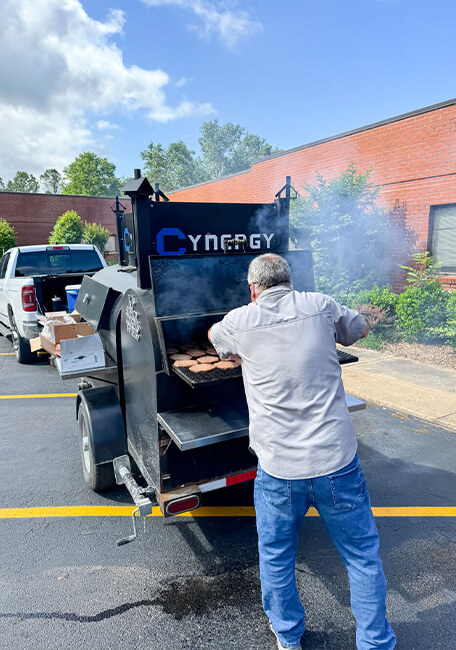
211 377
215 376
346 357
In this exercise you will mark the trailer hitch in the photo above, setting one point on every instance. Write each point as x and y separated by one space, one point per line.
122 472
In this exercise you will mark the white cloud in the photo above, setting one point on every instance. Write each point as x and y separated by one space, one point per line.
57 66
105 125
230 25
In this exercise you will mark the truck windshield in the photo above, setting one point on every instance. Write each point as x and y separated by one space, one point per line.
57 262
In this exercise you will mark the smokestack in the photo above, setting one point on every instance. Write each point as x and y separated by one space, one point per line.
137 173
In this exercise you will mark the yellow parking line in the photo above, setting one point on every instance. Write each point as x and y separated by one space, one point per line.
38 396
6 354
222 511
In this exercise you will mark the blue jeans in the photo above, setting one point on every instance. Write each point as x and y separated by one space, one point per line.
342 501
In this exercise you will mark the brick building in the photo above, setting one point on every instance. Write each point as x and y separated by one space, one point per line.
33 216
413 159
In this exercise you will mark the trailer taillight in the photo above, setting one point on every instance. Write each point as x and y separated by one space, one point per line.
182 505
28 298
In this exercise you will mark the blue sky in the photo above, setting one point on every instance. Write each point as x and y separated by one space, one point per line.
112 75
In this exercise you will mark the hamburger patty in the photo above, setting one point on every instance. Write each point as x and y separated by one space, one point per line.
208 359
225 365
184 363
195 352
180 357
201 367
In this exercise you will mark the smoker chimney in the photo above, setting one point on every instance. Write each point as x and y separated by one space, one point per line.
137 173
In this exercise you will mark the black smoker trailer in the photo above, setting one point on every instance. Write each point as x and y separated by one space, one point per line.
182 267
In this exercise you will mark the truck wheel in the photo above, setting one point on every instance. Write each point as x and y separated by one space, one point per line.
21 346
98 477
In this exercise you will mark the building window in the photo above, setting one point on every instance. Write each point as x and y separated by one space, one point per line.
443 237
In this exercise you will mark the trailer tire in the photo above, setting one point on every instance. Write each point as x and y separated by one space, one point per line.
21 346
98 477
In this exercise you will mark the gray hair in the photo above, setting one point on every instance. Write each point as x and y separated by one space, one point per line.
269 270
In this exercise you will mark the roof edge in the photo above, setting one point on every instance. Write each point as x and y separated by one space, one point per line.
315 143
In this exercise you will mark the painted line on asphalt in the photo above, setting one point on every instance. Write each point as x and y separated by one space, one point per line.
214 511
38 396
6 354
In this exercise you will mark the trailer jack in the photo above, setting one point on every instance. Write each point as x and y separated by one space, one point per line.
122 472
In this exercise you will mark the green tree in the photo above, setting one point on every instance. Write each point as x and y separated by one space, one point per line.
23 182
51 180
2 185
7 236
228 148
354 242
90 175
96 234
172 168
68 229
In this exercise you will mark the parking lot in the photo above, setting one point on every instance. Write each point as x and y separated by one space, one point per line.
193 582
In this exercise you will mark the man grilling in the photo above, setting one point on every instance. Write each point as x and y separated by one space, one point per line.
301 431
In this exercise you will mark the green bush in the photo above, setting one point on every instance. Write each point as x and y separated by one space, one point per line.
373 341
68 229
96 234
447 331
421 311
7 236
383 297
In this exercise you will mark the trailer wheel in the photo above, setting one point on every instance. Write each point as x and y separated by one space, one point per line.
21 346
98 477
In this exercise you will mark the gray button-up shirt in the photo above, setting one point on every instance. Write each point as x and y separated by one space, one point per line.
299 423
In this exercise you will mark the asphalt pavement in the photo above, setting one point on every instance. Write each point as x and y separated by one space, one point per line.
192 583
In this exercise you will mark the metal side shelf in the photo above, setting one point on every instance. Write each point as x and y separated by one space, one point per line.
354 404
202 425
108 370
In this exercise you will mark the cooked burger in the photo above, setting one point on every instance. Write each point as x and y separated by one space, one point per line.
202 367
180 357
185 363
208 359
196 352
226 365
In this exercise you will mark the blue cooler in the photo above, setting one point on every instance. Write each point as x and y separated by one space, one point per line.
72 291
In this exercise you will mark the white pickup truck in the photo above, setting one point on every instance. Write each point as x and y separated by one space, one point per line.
33 281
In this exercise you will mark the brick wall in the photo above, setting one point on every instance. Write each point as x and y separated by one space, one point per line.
413 159
33 216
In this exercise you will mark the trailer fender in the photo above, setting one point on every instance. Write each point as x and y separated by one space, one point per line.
105 423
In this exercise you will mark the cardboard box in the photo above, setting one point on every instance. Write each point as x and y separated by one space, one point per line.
61 333
83 353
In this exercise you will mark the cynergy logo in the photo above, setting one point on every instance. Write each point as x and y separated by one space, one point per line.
205 242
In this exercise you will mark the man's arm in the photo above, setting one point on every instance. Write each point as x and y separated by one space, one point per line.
222 337
348 324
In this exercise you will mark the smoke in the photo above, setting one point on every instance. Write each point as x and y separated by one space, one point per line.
355 243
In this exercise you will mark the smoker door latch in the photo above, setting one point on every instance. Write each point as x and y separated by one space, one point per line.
122 472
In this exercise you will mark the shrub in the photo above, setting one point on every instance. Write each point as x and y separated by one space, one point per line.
96 234
422 310
379 320
424 270
68 229
447 331
372 341
7 236
383 297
